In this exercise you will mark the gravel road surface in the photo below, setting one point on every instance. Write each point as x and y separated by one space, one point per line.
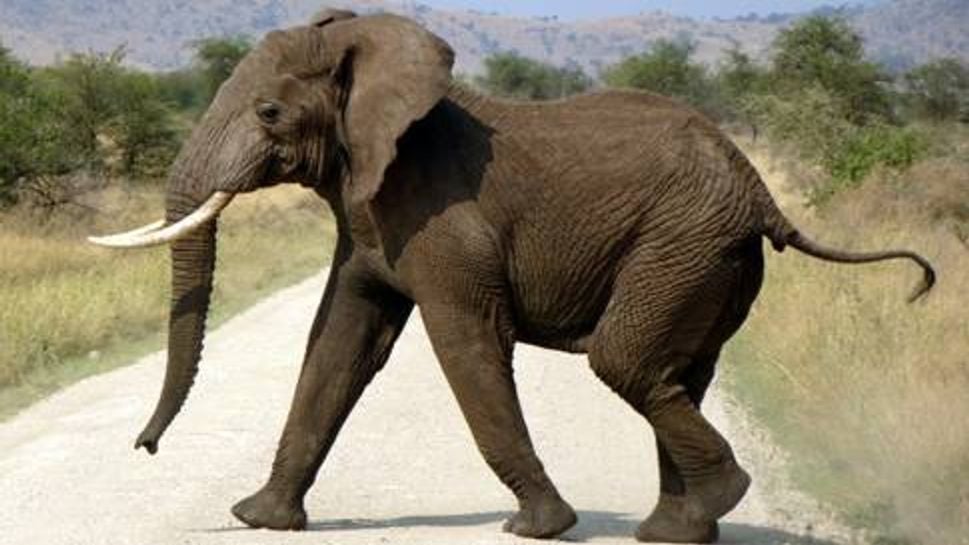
404 470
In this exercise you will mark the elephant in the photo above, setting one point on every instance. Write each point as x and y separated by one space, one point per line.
618 224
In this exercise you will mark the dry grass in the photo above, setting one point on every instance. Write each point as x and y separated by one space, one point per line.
70 309
869 394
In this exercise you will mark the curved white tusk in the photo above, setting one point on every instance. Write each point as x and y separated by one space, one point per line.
156 234
141 230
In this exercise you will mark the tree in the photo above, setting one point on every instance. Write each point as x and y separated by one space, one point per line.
738 81
939 90
13 90
86 89
31 139
184 89
88 114
513 76
14 77
739 76
827 52
114 116
144 129
666 69
215 59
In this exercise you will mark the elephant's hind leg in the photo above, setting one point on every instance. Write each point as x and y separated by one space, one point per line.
644 348
669 516
475 354
744 284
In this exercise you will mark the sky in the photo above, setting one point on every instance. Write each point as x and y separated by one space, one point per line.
584 9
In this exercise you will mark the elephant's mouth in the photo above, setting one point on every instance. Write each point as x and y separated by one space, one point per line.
158 233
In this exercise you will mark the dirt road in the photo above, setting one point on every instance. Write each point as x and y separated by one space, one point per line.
404 470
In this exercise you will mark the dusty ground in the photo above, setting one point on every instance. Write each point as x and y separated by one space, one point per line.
404 470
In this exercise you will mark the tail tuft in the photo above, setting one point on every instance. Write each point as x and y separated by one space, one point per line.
928 279
814 249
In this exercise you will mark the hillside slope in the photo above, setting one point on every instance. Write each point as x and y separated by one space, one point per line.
907 32
158 33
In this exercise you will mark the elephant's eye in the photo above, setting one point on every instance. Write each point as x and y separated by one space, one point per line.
268 112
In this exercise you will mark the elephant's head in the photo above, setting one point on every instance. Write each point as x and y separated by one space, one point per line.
322 105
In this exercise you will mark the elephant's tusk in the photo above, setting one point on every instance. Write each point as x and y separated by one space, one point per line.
157 234
141 230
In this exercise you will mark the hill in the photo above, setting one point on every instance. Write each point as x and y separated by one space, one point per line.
158 34
903 33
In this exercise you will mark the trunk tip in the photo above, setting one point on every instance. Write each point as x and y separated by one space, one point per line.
148 443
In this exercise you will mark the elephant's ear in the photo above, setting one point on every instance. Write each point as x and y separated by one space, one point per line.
394 72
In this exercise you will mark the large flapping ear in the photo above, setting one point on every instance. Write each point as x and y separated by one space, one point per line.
396 73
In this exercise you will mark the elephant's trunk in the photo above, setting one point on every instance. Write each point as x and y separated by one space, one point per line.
193 265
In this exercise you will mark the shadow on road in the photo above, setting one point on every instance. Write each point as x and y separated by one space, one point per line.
592 524
436 521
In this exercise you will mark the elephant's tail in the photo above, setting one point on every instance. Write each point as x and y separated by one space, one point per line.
782 233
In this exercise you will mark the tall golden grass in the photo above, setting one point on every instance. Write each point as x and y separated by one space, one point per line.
69 308
870 395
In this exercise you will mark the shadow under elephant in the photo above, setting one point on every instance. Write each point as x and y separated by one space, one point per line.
591 525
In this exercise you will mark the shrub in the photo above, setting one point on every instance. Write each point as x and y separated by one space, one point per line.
738 79
866 391
513 76
811 123
667 69
870 147
34 149
827 52
114 116
215 59
939 90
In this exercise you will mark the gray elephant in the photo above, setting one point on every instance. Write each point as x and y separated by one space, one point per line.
618 224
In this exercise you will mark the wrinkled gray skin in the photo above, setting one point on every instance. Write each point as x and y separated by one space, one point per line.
618 224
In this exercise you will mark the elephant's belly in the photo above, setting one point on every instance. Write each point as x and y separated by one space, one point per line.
560 307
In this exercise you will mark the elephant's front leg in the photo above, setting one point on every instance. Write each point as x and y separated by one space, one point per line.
351 339
475 353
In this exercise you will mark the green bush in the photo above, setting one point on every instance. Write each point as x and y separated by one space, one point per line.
513 76
812 124
810 120
738 79
114 115
863 151
88 115
827 52
939 90
144 129
892 147
668 69
34 147
215 59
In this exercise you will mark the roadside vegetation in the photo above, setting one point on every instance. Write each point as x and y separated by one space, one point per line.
867 393
864 391
83 150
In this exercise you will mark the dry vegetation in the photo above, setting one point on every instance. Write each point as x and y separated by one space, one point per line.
70 309
867 393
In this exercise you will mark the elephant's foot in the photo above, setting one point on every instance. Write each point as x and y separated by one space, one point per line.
268 509
714 497
669 523
542 518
